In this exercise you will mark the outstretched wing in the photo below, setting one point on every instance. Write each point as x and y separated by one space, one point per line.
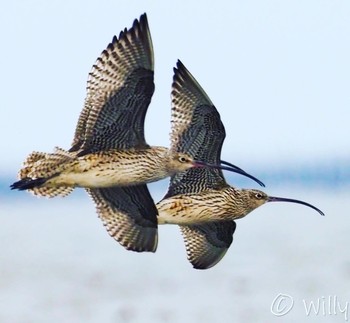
119 90
196 130
129 215
207 243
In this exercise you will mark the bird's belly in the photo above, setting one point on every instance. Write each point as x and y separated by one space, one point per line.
97 177
186 211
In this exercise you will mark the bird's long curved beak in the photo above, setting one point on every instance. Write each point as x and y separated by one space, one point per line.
223 162
282 199
229 167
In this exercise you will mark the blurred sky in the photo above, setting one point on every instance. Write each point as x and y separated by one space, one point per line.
278 72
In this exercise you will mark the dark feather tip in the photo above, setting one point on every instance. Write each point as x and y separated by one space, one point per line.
27 183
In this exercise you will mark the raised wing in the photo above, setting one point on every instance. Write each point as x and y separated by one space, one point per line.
196 130
119 90
129 215
207 243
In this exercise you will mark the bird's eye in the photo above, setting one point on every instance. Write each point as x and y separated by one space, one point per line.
259 196
182 159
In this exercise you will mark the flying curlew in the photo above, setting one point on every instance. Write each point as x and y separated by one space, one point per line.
199 200
109 156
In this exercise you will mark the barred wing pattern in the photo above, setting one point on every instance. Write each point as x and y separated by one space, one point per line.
207 243
196 130
119 90
129 215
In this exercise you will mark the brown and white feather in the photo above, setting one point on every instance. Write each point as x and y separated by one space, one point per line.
129 215
119 90
197 130
207 243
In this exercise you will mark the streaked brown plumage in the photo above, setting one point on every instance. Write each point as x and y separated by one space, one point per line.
199 200
109 156
66 170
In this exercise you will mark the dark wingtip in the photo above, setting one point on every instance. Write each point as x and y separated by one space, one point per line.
27 183
179 64
143 19
199 266
178 71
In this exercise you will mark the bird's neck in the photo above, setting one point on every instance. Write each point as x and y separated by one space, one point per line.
161 157
238 202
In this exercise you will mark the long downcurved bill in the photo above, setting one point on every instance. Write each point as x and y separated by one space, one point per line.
223 162
230 167
241 171
282 199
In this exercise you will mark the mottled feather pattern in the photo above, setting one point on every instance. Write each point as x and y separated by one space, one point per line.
186 95
196 125
192 208
119 90
39 164
129 215
128 167
103 169
203 141
44 165
29 162
207 243
197 130
51 191
122 128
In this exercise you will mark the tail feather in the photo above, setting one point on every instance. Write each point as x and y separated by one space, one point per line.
27 183
43 165
38 168
52 191
29 162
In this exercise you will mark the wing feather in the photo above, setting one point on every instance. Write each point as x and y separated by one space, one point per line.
119 90
129 215
196 130
207 243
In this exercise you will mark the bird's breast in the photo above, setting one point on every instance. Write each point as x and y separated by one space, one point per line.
187 209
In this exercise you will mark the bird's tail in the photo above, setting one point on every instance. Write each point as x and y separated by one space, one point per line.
38 168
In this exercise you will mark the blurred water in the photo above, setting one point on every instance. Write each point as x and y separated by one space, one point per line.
58 264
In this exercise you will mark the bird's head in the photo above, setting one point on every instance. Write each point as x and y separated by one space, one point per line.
179 162
256 198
